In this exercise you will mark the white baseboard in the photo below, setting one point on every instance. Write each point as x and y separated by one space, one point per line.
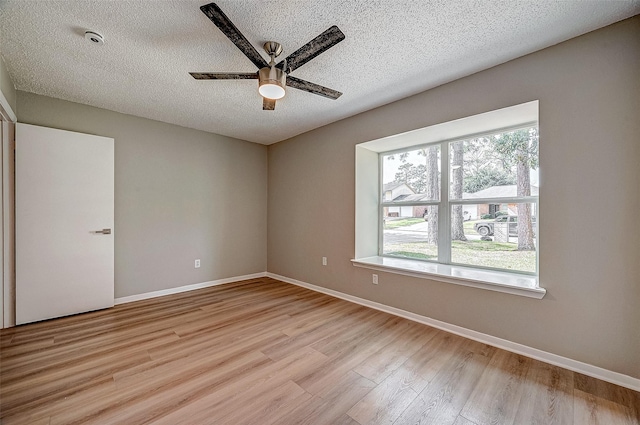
554 359
186 288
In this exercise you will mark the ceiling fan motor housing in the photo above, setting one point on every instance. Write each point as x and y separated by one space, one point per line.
272 48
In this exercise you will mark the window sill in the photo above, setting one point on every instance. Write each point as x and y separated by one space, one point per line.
510 283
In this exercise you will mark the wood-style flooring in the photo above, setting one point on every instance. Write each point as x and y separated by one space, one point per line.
266 352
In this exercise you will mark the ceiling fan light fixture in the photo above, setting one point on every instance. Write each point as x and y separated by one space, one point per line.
271 82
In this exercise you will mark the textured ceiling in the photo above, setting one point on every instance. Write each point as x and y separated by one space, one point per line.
393 49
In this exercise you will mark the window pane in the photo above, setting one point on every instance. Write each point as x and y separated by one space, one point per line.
496 166
411 232
500 236
412 175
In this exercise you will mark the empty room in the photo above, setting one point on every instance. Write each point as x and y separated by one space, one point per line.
341 212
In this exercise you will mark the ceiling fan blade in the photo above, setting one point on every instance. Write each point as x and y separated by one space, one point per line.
268 104
299 84
321 43
224 75
225 25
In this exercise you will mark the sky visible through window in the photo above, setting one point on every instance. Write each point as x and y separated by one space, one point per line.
391 166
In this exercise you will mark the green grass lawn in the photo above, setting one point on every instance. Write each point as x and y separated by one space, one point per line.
493 254
401 222
473 253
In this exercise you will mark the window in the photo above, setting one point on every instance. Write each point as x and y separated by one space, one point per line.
489 201
462 196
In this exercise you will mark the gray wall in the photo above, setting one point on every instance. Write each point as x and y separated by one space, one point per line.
180 194
589 93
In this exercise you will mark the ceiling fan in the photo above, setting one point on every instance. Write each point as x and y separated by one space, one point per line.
271 77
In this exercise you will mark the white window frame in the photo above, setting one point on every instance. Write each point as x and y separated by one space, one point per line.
369 157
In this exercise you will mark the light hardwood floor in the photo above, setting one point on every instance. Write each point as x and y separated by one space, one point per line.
265 352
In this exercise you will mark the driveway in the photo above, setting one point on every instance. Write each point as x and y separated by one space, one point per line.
416 233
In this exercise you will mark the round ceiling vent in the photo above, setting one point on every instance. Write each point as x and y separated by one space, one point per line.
94 37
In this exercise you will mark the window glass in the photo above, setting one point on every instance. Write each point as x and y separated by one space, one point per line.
489 201
492 166
412 176
505 239
407 232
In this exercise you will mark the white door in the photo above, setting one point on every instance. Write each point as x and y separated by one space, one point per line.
64 223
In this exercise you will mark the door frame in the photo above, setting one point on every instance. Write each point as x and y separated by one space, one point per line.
7 216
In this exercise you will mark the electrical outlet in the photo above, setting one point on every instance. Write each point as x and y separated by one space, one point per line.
197 264
324 261
375 279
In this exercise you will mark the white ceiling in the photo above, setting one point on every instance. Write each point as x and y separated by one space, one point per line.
392 49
